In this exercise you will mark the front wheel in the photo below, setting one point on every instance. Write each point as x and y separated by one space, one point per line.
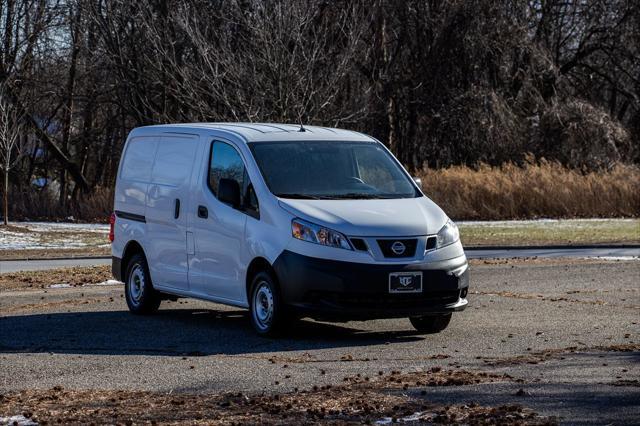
141 297
430 324
267 312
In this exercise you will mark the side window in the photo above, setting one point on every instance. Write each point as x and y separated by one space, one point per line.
174 160
226 163
138 159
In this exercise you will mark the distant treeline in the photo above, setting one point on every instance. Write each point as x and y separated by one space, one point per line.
442 83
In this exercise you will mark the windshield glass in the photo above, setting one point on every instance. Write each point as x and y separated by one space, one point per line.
331 170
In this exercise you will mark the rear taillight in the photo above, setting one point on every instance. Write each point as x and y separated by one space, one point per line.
112 222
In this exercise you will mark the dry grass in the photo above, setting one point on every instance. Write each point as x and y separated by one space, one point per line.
55 253
29 204
551 232
538 189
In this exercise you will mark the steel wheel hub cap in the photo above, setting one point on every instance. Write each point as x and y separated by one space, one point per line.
136 284
263 305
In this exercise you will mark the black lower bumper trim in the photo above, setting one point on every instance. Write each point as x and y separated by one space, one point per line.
334 290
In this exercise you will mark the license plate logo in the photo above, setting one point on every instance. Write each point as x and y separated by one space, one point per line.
405 282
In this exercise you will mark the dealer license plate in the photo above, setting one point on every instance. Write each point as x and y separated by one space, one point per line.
405 282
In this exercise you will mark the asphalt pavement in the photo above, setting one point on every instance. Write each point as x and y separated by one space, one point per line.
565 333
7 266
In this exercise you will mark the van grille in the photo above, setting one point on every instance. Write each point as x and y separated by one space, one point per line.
387 247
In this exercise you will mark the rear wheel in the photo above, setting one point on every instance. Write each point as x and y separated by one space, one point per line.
141 297
267 312
430 323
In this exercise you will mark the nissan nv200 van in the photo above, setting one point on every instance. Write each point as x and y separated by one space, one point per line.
286 221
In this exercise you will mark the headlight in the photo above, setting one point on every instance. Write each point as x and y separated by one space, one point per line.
313 233
449 234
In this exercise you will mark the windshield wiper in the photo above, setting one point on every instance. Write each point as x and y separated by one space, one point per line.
358 196
297 196
347 196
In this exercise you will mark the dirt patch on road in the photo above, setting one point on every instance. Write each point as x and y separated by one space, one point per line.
436 376
548 354
529 296
358 401
73 277
59 304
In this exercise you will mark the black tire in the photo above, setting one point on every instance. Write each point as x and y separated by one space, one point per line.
269 316
141 297
430 324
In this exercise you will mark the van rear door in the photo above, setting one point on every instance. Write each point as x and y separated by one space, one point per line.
168 201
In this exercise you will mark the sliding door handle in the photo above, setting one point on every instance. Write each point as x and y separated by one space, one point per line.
176 210
203 212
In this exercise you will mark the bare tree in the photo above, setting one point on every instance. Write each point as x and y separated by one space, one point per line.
439 82
11 142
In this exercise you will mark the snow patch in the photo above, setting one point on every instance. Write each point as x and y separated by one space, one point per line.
60 286
62 226
19 420
107 282
415 417
103 283
615 258
51 235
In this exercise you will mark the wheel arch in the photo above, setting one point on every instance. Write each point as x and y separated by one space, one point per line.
257 264
130 249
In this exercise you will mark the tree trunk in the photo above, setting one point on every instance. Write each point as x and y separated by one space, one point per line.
48 141
6 196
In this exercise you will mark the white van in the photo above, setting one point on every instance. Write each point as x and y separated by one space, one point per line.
287 221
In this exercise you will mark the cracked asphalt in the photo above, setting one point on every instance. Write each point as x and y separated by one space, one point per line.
566 332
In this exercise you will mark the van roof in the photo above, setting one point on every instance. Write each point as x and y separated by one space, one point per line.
255 132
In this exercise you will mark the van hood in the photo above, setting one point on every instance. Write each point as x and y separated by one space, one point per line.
371 218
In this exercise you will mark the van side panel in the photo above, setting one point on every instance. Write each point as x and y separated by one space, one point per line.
132 183
168 203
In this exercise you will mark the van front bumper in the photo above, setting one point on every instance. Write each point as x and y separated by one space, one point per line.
342 291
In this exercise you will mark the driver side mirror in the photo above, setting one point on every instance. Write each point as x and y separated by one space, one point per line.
418 181
229 192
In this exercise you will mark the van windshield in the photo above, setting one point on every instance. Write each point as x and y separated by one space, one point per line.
331 170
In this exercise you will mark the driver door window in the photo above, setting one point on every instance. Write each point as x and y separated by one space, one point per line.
226 163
